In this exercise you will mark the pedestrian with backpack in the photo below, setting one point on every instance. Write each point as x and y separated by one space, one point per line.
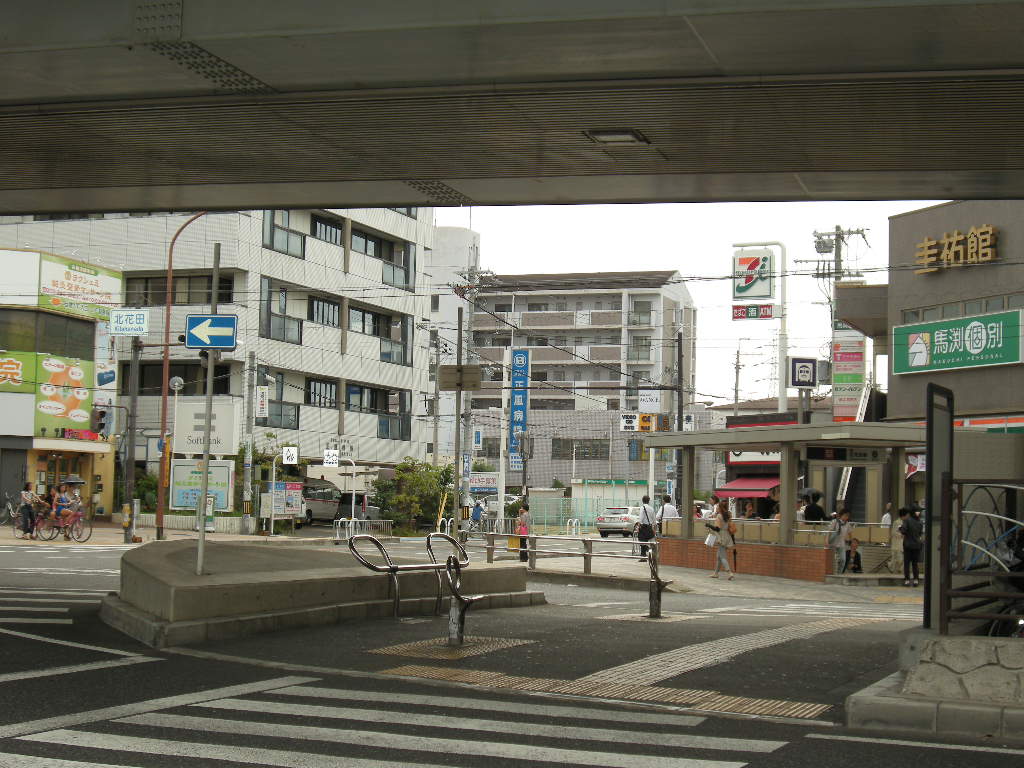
911 529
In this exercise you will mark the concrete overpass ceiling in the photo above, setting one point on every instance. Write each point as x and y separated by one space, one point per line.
245 103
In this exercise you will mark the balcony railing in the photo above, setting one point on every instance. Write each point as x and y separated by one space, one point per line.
395 275
638 353
397 427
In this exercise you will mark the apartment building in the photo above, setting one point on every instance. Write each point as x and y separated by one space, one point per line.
328 302
595 340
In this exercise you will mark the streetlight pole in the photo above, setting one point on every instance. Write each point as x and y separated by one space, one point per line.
161 489
783 337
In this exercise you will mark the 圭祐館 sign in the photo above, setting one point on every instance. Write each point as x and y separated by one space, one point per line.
962 342
956 249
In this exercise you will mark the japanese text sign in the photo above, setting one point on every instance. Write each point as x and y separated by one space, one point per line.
961 342
956 249
518 397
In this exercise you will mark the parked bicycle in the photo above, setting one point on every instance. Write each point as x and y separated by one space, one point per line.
10 507
48 525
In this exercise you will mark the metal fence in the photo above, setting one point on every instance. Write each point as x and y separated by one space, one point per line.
346 528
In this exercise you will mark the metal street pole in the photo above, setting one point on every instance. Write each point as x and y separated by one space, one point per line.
161 488
250 422
458 407
680 418
129 459
783 337
211 366
437 394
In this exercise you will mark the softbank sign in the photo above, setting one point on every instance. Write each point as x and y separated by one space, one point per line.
189 420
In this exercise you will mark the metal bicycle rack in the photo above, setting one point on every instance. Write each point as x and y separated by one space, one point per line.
393 569
572 526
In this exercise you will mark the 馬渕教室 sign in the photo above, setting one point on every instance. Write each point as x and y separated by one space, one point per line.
961 342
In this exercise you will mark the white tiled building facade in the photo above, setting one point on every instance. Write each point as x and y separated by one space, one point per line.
328 300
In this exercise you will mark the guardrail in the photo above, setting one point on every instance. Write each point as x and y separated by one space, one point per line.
350 526
656 587
393 569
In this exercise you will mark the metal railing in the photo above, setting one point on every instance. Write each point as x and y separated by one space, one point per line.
347 527
572 526
656 587
978 558
445 524
392 569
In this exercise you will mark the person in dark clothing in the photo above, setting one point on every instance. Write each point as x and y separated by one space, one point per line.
853 563
813 513
911 530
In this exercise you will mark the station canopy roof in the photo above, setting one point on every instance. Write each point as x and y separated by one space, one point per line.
772 438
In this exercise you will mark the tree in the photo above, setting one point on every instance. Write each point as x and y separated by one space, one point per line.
414 491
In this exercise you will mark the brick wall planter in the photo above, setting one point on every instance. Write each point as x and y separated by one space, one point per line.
787 562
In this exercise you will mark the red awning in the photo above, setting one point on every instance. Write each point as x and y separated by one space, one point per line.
748 487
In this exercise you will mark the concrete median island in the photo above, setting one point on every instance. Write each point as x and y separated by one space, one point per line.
249 588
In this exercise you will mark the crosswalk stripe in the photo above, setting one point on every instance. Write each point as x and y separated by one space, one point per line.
151 705
492 705
452 745
64 601
44 591
73 668
583 733
31 761
34 609
21 620
205 752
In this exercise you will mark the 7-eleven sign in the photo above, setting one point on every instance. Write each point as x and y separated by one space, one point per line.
752 276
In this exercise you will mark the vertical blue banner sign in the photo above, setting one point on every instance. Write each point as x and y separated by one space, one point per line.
518 398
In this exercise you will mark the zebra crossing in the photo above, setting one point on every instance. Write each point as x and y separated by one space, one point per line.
47 548
307 722
45 606
890 611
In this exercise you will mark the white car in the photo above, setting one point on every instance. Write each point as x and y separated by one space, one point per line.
621 520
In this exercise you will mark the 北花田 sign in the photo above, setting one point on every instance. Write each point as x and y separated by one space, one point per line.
519 396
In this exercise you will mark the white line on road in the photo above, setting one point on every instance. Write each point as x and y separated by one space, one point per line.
33 609
600 605
231 753
582 733
446 746
650 670
31 761
67 643
150 705
51 592
492 705
72 668
722 610
916 744
65 571
20 620
65 601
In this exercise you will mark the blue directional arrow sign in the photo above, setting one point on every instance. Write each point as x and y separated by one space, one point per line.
211 331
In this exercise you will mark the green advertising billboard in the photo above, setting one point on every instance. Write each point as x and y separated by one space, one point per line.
77 288
957 342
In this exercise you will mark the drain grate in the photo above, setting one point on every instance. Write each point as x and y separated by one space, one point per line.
437 648
710 701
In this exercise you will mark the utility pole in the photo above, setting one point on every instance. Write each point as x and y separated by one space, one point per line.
680 417
524 451
129 459
736 386
436 342
458 409
250 423
208 420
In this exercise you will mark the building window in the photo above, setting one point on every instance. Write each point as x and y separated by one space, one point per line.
411 213
562 448
324 312
994 304
558 375
277 325
27 331
970 308
579 306
1015 301
537 341
193 374
538 375
278 237
617 305
502 307
951 310
598 305
560 306
435 302
367 244
558 341
489 447
188 289
930 313
327 230
913 315
537 307
280 415
322 393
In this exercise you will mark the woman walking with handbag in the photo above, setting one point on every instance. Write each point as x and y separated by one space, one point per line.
523 529
722 527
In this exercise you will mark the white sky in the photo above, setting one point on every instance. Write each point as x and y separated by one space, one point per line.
695 239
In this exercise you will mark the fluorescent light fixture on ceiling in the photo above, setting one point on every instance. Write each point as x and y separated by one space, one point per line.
617 136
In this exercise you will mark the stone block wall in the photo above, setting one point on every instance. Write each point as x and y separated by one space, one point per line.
982 669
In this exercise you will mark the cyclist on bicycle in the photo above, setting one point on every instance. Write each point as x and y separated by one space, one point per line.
65 509
476 516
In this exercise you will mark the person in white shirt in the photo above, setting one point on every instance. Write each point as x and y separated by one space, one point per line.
668 510
887 516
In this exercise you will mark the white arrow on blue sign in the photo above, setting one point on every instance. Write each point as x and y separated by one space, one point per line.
211 331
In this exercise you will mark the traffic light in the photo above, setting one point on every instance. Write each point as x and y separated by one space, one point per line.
101 421
204 358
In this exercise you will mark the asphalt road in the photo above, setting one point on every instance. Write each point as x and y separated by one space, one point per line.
79 694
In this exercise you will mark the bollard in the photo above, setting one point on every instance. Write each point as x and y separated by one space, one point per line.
136 508
588 555
456 624
656 586
126 522
490 547
531 563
